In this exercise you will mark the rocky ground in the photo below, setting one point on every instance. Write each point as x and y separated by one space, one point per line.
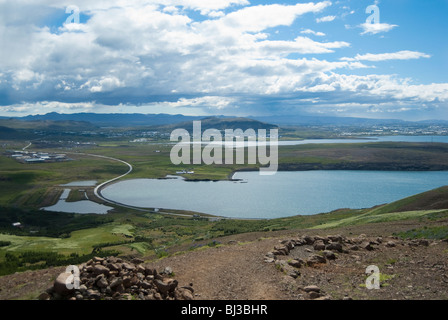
284 265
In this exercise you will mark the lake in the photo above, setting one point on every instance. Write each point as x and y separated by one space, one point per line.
282 195
371 139
80 207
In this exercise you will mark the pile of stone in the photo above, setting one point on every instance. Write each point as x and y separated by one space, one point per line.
323 249
116 279
328 246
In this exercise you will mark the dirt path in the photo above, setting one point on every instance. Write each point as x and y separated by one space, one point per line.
231 272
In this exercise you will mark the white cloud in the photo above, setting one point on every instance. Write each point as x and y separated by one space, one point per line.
325 19
375 28
400 55
303 45
103 85
258 18
309 31
131 54
43 107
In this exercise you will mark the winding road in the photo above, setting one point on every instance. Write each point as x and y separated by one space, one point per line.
97 190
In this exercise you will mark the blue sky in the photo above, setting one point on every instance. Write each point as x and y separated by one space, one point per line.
231 57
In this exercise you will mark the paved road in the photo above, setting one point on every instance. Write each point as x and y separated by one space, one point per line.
97 190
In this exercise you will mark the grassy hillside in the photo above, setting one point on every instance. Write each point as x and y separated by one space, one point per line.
431 204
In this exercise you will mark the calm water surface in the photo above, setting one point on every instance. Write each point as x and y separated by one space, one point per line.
282 195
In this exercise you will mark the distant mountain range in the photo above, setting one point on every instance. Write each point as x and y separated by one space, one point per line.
221 122
114 120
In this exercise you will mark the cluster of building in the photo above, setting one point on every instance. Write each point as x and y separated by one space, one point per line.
37 157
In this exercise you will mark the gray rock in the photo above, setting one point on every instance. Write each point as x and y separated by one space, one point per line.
100 269
283 250
190 288
311 288
334 246
98 259
315 259
308 240
60 284
296 263
164 287
367 246
319 245
128 266
337 238
102 283
146 285
187 295
149 271
167 271
113 266
270 255
390 244
294 273
127 283
329 255
116 282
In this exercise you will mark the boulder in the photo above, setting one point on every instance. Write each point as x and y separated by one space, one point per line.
115 283
102 283
315 259
186 295
60 284
128 266
367 245
296 263
282 250
390 244
100 269
164 287
319 245
337 238
293 273
334 246
311 288
329 255
167 271
98 260
308 240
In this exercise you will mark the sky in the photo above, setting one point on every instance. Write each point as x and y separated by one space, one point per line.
357 58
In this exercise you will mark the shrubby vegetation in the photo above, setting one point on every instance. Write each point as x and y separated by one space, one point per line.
440 232
32 260
5 243
48 224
